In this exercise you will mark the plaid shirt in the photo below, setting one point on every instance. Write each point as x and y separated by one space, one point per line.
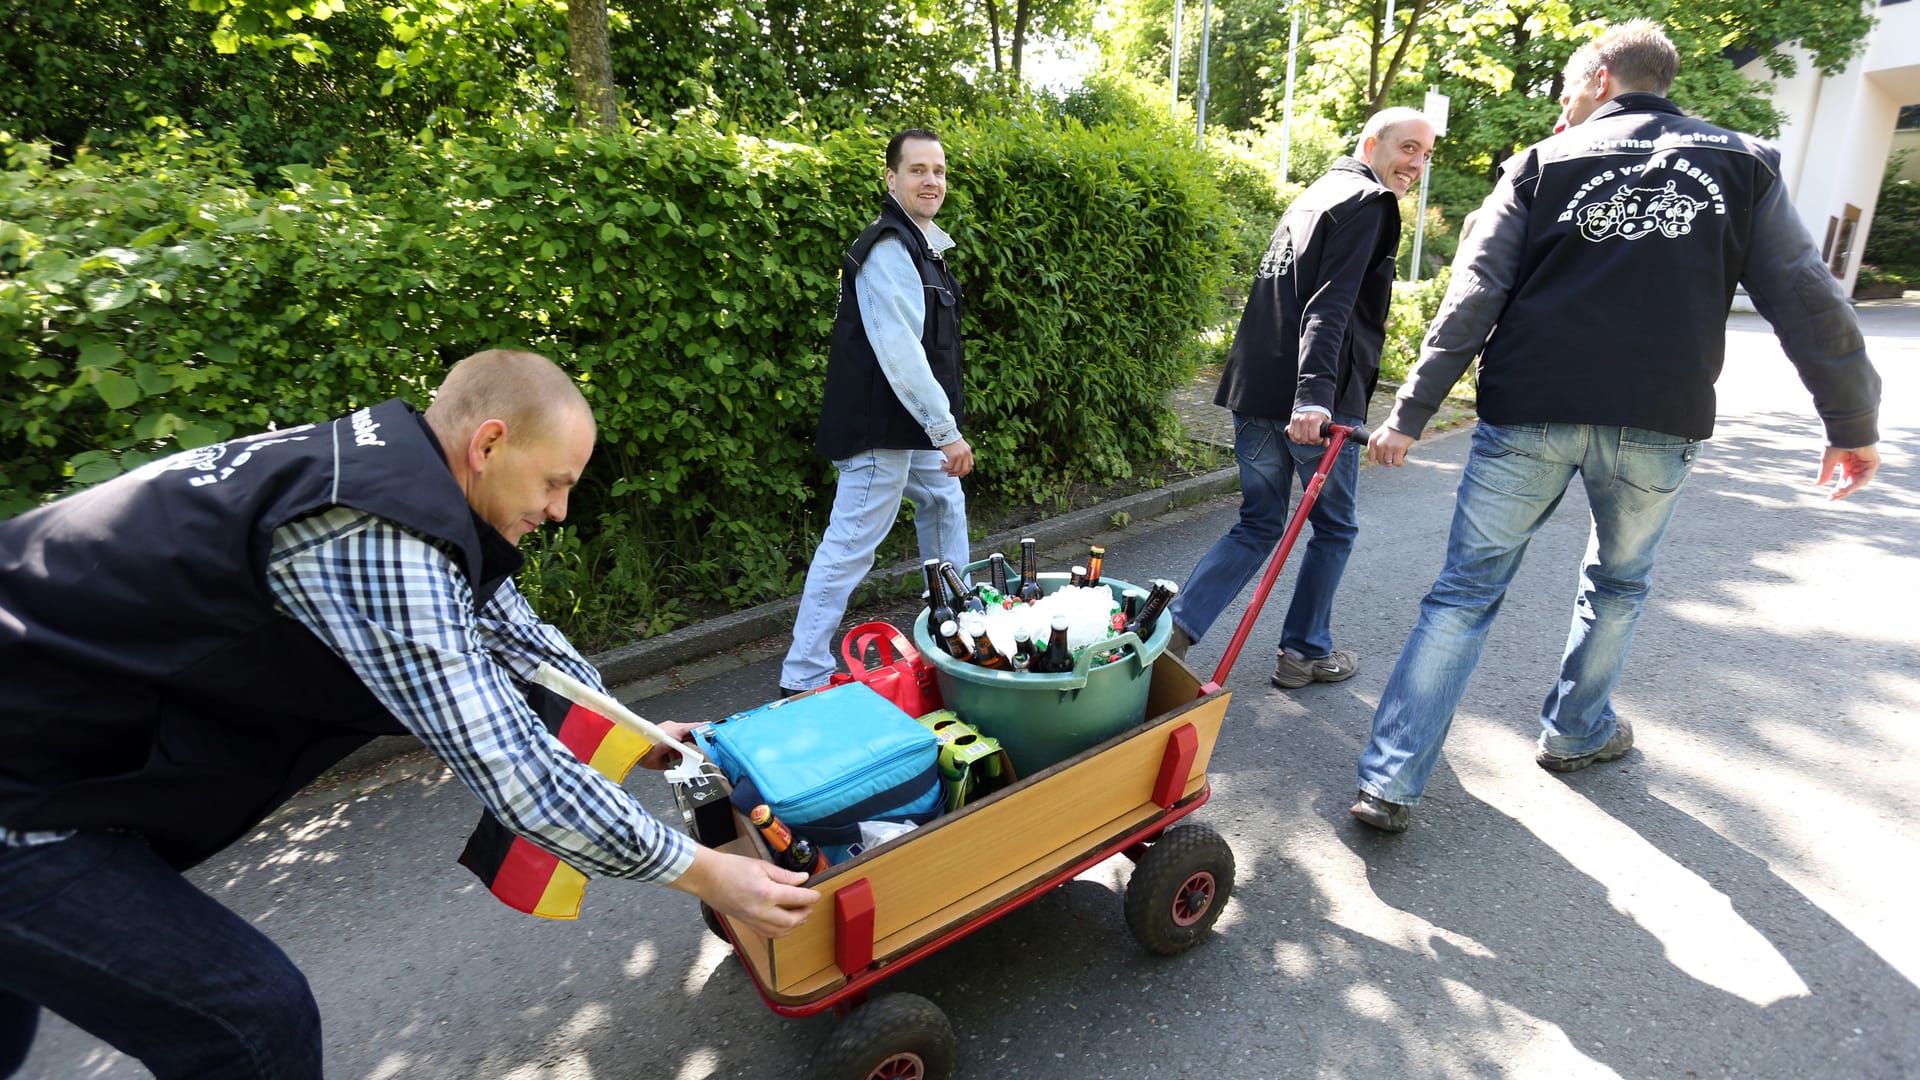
398 611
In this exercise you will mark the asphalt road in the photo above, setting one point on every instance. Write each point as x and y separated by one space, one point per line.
1732 899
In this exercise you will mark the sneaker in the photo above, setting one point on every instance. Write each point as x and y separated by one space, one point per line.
1178 642
1292 671
1615 749
1381 814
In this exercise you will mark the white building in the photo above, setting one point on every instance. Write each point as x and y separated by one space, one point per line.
1841 128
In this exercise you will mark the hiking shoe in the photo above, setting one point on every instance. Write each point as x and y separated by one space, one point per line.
1616 748
1381 814
1178 642
1292 671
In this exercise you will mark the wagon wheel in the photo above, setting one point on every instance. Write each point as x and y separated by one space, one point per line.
1179 888
891 1037
712 919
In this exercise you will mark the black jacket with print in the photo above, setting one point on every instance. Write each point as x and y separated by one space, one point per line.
1316 316
1596 283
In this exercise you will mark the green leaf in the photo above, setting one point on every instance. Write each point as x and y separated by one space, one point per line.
117 390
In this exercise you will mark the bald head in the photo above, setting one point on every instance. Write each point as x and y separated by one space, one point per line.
525 391
1385 125
517 435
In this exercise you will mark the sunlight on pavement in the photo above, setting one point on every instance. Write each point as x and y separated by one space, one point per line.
711 954
1694 922
1352 903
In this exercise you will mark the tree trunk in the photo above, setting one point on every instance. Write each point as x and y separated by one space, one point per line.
592 63
1023 13
993 32
1377 92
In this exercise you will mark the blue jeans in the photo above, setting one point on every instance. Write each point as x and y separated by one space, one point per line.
100 930
866 502
1515 478
1269 461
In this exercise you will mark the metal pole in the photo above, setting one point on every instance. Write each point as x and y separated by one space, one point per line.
1286 111
1176 57
1200 92
1419 229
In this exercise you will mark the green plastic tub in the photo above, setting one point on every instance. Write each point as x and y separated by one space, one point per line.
1043 719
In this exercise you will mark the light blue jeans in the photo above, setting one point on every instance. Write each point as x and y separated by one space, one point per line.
866 503
1515 478
1269 463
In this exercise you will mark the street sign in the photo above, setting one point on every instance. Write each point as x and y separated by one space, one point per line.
1436 111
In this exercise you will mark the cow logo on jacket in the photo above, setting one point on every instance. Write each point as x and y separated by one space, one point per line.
1634 212
1659 196
1279 257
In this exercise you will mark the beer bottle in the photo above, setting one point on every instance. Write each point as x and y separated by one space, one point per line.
986 655
962 597
939 609
1096 555
1057 657
1157 601
1023 650
790 851
997 572
1078 578
1029 571
950 637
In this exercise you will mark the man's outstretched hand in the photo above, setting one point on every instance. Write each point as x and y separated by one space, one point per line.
1847 470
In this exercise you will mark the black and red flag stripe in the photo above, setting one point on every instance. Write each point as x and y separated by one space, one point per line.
524 876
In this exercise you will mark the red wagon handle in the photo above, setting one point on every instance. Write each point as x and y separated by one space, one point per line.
1336 436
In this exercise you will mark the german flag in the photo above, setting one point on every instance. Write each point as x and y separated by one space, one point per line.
525 877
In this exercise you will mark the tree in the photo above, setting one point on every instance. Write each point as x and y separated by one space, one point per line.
592 63
1031 18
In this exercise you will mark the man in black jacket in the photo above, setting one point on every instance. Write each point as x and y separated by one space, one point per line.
1595 290
1308 351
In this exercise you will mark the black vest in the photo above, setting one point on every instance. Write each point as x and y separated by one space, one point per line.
147 682
860 410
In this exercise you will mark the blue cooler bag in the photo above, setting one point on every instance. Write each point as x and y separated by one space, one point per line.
828 761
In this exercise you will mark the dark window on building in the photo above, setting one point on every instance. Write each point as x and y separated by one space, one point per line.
1843 245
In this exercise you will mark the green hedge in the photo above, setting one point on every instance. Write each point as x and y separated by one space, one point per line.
160 300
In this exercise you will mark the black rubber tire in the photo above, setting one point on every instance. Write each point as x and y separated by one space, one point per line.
712 919
1179 888
891 1037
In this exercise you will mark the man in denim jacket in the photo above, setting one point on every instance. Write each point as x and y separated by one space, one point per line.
890 421
1607 256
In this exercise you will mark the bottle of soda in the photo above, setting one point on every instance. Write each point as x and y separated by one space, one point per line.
962 598
950 638
1157 601
1057 657
1029 571
1096 555
790 851
939 608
